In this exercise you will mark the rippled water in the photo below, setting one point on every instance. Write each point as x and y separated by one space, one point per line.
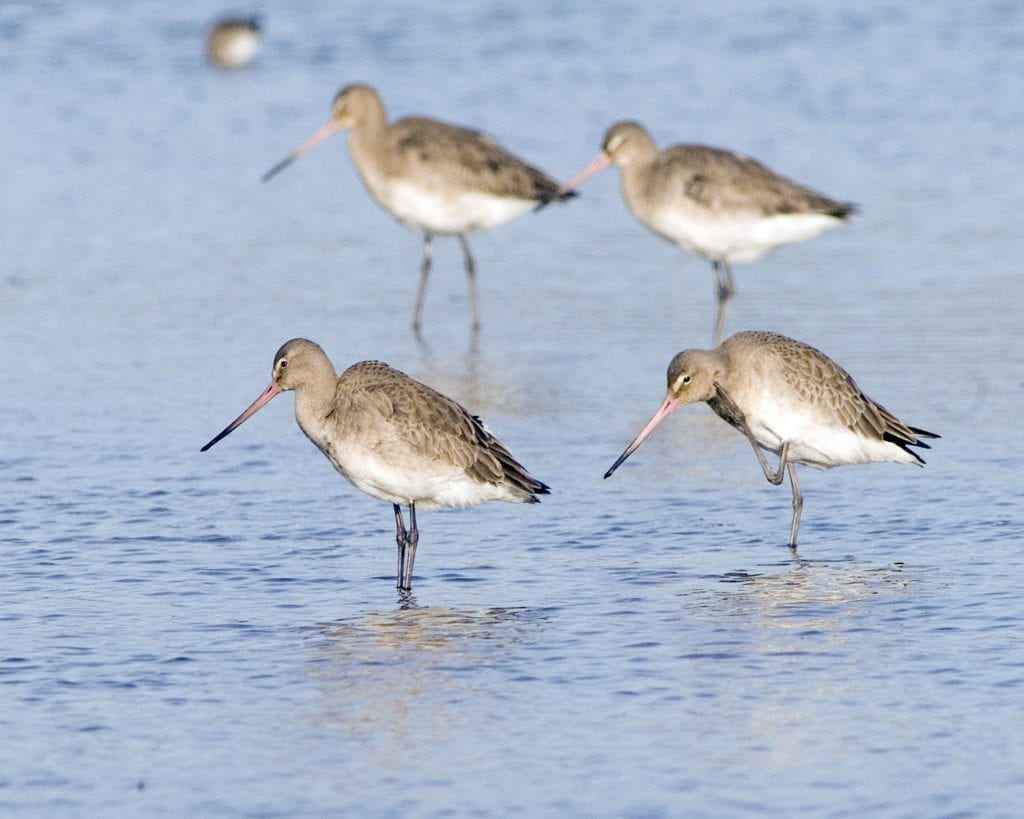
219 633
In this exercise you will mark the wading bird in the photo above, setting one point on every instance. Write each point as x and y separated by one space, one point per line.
790 399
394 438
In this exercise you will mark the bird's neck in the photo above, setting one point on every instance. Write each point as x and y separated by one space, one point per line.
638 183
313 404
366 138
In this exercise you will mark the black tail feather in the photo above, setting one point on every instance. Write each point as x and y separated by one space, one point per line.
905 444
545 199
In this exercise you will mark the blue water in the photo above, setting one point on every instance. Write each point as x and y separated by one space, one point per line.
219 633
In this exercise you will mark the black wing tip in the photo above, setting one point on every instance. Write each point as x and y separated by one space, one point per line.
846 210
540 489
906 444
921 433
545 199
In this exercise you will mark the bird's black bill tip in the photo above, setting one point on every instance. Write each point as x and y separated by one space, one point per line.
280 166
216 438
622 458
615 466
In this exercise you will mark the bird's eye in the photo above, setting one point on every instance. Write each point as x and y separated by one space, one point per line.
686 379
282 363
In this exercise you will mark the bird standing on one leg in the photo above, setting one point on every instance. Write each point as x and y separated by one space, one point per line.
790 399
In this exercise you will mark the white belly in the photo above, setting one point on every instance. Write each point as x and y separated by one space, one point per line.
449 211
736 237
818 441
430 484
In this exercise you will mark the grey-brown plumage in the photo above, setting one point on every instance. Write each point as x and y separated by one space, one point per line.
814 383
433 177
395 439
718 204
720 181
379 408
788 398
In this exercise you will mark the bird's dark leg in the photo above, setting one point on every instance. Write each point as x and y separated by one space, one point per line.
428 255
412 539
798 502
774 476
725 289
735 416
402 538
471 278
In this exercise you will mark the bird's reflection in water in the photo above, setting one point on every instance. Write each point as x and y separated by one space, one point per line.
800 629
822 579
486 384
427 352
819 595
490 379
402 677
411 627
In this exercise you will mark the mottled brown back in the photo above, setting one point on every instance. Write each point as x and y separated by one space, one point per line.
430 424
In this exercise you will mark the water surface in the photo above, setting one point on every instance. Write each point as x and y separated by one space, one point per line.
219 633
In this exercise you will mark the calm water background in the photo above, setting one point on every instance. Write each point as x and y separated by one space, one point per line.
219 633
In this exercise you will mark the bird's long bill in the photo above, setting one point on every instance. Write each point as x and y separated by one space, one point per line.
598 163
668 406
321 134
250 411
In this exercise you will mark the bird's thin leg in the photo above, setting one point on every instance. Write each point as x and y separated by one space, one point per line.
428 255
401 538
725 289
774 476
739 420
410 551
471 278
798 503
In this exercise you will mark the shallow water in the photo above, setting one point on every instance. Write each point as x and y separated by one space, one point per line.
219 633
